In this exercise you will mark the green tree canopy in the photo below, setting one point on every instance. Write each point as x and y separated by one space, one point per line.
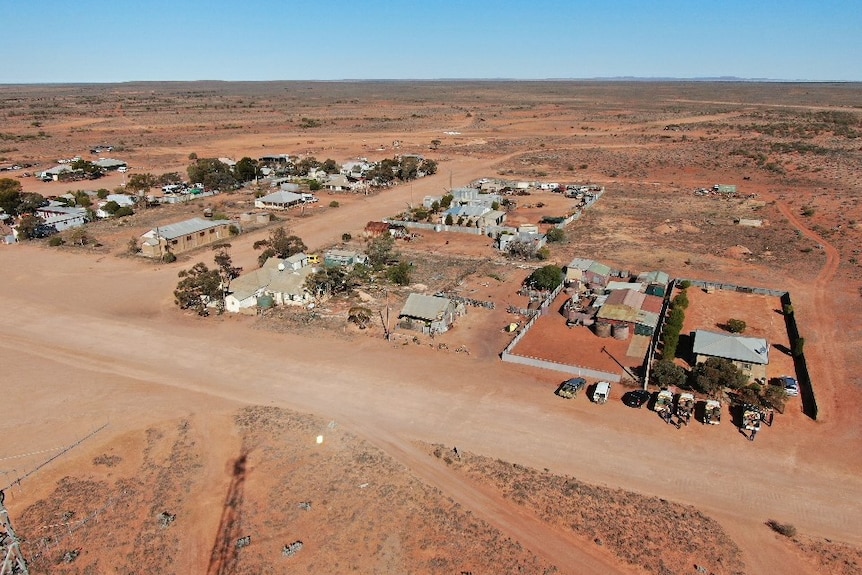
666 373
212 173
735 325
141 183
280 244
546 277
380 250
555 235
197 287
400 273
246 170
716 373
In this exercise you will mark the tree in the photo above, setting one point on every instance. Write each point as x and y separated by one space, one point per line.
346 237
555 235
213 174
446 201
400 273
666 373
123 212
380 250
90 170
327 281
716 373
330 167
306 165
798 346
246 169
102 193
227 271
198 287
141 184
681 300
10 195
429 167
775 396
359 315
314 185
29 226
735 326
435 144
546 278
169 179
111 207
449 220
280 245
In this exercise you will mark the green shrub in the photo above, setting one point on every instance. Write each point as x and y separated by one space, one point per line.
56 241
333 204
735 325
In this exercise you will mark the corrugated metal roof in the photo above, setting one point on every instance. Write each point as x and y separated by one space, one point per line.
654 277
600 269
110 163
194 225
613 286
631 298
281 198
580 264
734 347
429 308
652 303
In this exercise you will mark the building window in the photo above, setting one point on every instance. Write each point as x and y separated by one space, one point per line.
201 234
174 242
188 238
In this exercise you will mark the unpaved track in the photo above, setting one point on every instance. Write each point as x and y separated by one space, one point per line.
115 322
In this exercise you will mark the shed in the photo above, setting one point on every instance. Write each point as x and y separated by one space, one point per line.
430 314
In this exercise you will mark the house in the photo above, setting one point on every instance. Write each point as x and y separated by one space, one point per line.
633 308
342 258
337 183
588 272
55 173
62 217
357 169
750 354
492 218
110 164
505 241
467 215
656 282
430 314
278 201
281 279
184 236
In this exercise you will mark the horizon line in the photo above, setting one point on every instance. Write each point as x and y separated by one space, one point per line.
706 79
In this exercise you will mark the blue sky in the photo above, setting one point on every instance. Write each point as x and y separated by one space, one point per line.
128 40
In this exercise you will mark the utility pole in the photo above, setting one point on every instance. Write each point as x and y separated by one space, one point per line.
10 547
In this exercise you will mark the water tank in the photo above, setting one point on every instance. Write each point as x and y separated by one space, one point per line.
603 329
246 217
265 302
281 266
621 331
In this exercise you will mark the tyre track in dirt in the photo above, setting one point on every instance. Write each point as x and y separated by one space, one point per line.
821 322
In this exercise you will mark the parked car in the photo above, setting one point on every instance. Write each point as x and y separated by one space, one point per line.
637 398
570 388
791 386
602 392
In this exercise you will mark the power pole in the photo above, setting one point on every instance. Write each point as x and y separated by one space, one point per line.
10 548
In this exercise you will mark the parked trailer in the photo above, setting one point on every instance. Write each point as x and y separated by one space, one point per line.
684 408
664 404
712 412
